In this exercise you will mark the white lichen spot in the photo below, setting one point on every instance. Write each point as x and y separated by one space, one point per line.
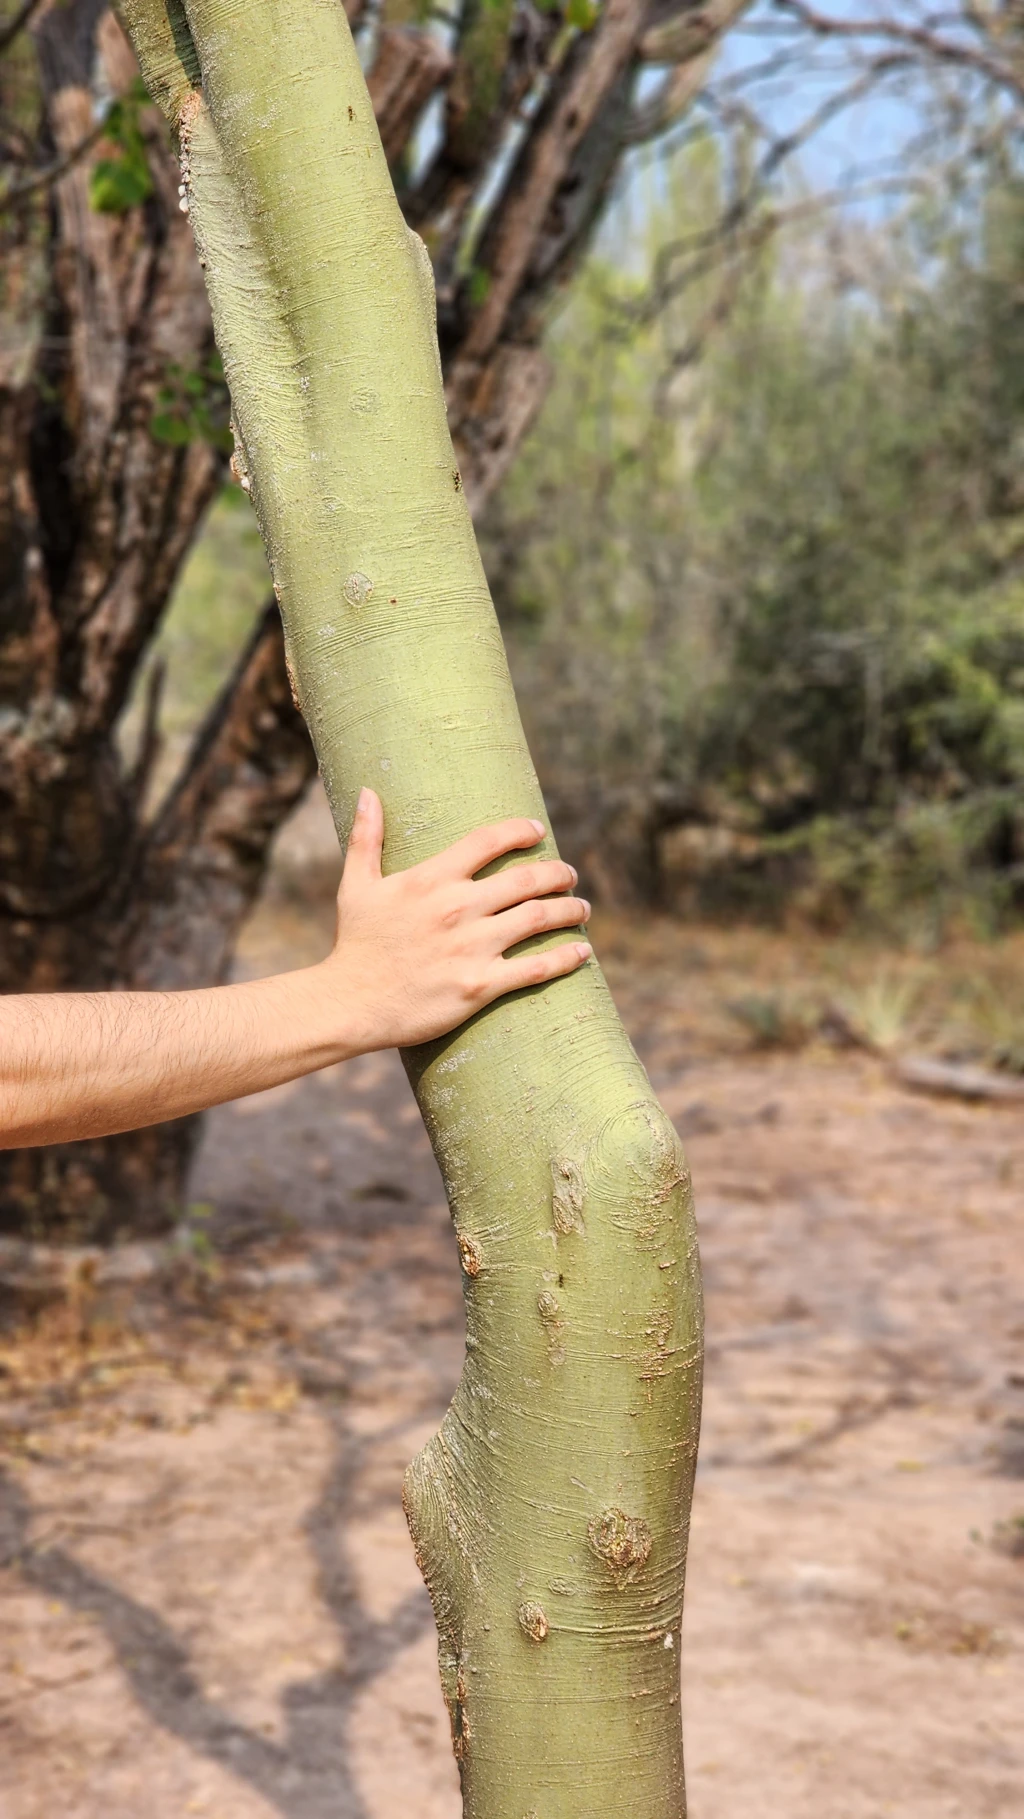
357 589
385 764
669 1641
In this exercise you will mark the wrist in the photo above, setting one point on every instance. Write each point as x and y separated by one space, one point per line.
314 1026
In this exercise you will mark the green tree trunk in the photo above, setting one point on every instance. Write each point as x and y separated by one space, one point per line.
550 1512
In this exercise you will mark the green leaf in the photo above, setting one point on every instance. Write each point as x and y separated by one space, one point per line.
118 184
581 13
192 405
175 430
122 181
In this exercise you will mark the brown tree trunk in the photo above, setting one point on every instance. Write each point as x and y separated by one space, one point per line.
168 918
104 317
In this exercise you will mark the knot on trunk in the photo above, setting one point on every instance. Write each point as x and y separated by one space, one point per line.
622 1542
533 1622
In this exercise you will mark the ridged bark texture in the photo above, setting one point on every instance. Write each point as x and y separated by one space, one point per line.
550 1512
99 311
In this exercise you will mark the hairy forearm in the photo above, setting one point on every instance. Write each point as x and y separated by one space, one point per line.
86 1064
414 955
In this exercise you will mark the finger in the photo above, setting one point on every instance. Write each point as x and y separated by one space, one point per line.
519 882
366 841
536 918
537 969
470 854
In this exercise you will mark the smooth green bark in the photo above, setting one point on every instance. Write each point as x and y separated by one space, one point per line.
550 1512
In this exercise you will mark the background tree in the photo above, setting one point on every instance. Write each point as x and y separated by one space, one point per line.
504 126
789 591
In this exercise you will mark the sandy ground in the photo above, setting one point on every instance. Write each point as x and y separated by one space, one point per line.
209 1602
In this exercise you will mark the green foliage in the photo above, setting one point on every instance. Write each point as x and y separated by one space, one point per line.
123 179
193 406
581 13
791 609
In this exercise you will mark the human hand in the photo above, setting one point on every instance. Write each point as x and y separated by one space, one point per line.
414 955
417 953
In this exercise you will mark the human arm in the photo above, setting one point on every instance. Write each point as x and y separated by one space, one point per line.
414 955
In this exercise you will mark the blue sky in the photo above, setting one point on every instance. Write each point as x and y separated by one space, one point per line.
879 129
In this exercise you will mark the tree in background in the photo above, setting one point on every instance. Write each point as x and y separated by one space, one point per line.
504 125
790 594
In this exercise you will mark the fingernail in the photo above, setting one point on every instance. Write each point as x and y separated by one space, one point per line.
364 797
584 949
539 825
575 876
586 906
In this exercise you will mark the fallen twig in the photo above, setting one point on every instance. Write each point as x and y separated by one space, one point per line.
925 1074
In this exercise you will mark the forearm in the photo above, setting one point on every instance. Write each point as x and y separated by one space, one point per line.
415 954
86 1064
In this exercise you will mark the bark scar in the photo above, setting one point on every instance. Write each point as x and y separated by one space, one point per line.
533 1622
622 1542
469 1252
567 1195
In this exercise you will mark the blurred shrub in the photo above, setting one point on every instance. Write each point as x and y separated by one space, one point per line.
776 1019
770 643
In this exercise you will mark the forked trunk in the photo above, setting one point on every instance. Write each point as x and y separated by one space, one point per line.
550 1512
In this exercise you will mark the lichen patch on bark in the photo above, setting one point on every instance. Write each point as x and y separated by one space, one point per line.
358 588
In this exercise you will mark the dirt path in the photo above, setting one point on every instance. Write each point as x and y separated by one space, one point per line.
209 1603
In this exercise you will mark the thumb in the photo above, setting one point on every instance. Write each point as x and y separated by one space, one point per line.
366 841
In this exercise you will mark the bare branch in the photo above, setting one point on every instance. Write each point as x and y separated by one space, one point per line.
407 69
669 103
743 250
552 146
52 173
688 33
706 247
921 38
